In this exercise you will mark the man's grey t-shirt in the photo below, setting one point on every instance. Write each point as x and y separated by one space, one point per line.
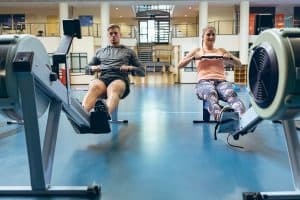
112 58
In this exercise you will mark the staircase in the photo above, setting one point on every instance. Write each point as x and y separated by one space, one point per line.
145 54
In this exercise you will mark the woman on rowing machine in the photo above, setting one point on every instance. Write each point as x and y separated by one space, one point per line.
212 84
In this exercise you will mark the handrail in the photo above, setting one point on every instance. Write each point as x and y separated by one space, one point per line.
53 29
223 27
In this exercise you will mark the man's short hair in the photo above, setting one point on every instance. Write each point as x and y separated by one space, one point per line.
111 26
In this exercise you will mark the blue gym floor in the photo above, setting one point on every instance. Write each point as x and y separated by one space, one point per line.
160 154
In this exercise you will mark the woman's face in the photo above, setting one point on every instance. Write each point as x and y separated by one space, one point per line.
209 36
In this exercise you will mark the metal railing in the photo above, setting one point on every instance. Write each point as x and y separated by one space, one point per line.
38 29
78 61
53 29
185 30
127 31
162 55
223 27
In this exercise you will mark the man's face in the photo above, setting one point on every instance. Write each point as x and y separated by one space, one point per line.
114 36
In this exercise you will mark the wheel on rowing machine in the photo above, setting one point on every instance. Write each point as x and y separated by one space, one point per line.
274 73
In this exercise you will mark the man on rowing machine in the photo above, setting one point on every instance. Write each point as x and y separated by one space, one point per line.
114 62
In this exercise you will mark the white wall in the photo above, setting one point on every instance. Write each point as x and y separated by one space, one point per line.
94 11
228 42
130 42
50 43
252 38
186 44
84 45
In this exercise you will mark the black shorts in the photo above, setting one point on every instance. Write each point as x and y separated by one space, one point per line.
108 78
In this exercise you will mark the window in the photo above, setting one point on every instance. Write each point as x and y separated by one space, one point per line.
147 32
86 20
162 31
154 31
262 18
154 23
296 17
19 21
78 62
6 21
12 21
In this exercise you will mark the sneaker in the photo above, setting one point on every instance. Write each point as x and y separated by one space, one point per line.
99 122
101 106
228 120
222 111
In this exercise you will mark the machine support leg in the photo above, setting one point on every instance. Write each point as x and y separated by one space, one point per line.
41 162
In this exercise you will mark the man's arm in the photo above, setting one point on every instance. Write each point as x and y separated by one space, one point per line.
135 65
94 61
93 66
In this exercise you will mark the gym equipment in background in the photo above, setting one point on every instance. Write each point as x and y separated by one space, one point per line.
28 88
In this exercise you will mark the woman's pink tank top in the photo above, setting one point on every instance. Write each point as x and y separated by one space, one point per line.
210 68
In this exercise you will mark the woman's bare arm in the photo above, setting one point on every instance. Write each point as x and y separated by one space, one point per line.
231 58
188 58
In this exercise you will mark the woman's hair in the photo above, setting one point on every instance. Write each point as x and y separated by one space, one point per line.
205 29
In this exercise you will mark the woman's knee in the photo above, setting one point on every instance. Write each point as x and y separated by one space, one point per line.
229 93
212 95
239 107
237 104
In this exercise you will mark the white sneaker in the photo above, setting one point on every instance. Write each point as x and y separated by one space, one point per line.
229 120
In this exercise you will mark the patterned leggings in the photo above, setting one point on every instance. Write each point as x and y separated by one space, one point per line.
213 90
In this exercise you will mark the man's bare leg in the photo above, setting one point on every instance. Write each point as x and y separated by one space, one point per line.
96 89
115 91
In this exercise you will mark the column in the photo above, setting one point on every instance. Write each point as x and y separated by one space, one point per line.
203 17
63 14
105 18
244 31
